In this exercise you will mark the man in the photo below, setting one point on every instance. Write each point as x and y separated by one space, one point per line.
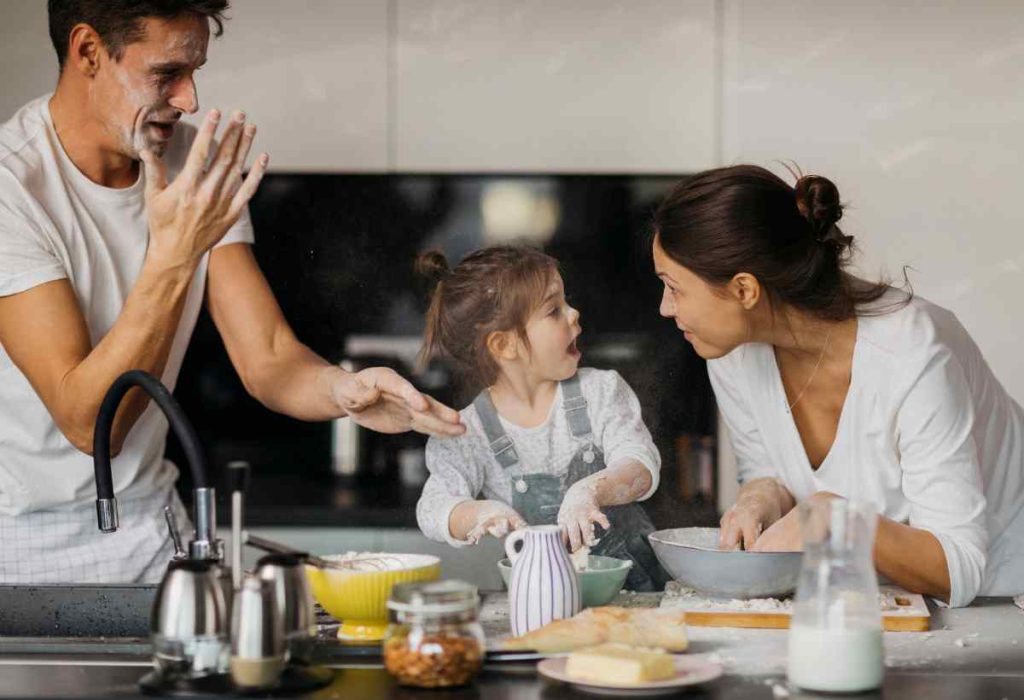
114 223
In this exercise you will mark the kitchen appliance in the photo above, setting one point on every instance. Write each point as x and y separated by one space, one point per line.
188 622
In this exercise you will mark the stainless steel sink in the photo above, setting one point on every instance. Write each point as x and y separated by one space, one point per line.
75 610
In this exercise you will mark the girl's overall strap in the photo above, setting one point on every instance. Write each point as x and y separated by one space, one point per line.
502 447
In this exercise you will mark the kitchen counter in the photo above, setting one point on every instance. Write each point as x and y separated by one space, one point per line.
68 679
975 652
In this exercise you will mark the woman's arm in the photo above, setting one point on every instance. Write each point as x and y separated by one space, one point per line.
911 558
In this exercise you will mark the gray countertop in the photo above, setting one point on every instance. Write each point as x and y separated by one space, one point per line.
970 652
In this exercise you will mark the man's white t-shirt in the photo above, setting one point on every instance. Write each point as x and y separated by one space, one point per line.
56 224
927 434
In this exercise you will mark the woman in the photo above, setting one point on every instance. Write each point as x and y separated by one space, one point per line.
833 387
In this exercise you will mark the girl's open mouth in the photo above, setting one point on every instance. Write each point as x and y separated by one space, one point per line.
573 350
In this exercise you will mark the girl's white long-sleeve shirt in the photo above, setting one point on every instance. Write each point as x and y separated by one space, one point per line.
927 434
463 468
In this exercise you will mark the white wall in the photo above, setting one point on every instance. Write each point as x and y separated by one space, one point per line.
915 110
29 66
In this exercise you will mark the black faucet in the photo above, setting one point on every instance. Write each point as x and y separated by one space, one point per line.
204 545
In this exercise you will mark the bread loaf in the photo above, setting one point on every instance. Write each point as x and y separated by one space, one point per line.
643 627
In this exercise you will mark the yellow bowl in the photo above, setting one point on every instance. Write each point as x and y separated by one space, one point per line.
358 599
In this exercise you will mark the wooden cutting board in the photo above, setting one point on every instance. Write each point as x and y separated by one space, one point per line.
901 611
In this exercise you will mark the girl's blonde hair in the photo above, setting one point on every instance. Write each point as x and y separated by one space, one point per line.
493 289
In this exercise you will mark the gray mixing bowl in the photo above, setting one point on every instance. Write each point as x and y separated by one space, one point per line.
692 557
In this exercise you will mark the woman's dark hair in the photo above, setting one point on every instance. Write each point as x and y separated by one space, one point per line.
492 289
745 218
119 22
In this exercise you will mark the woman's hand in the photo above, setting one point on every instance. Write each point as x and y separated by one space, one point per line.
785 535
760 504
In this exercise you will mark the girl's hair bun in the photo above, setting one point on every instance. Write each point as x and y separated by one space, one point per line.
432 266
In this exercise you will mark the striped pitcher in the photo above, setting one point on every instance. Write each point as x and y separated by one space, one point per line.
543 586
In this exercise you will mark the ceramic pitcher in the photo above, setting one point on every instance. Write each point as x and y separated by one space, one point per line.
543 586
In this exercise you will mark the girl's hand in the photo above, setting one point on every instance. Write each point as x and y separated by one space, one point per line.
579 512
493 518
785 535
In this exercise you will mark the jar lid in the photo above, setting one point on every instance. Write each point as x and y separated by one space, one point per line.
433 597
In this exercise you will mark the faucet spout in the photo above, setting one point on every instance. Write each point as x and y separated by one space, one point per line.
106 504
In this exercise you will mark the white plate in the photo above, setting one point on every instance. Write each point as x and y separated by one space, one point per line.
690 670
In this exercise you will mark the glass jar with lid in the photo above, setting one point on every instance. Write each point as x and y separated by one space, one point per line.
434 639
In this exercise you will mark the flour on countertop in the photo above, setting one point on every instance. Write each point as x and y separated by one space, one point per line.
679 596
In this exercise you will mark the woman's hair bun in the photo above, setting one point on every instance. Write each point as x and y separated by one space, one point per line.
818 201
433 267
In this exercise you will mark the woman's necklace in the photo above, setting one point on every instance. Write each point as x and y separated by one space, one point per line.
810 379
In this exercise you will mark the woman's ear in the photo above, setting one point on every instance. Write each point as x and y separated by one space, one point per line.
745 288
502 345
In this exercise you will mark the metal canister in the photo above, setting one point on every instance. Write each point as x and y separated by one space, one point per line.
257 636
189 621
287 576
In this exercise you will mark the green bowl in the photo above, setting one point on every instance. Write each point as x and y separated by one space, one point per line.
599 584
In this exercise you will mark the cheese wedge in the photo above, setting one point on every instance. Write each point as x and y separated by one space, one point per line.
619 664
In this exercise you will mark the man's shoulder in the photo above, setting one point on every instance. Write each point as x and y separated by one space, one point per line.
22 138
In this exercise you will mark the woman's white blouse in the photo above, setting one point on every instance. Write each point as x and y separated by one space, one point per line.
927 434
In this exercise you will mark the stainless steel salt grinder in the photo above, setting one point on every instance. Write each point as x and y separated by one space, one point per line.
287 575
238 482
189 621
257 636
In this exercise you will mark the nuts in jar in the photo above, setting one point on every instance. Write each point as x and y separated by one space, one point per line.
434 639
433 661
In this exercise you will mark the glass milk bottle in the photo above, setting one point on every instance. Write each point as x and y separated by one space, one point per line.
835 635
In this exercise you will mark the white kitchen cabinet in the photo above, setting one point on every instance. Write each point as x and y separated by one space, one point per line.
312 75
914 110
491 85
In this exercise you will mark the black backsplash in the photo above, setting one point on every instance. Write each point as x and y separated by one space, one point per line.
338 252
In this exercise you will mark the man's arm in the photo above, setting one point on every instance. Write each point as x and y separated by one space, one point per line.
44 332
287 377
43 328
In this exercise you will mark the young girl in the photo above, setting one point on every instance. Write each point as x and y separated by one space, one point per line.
546 442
